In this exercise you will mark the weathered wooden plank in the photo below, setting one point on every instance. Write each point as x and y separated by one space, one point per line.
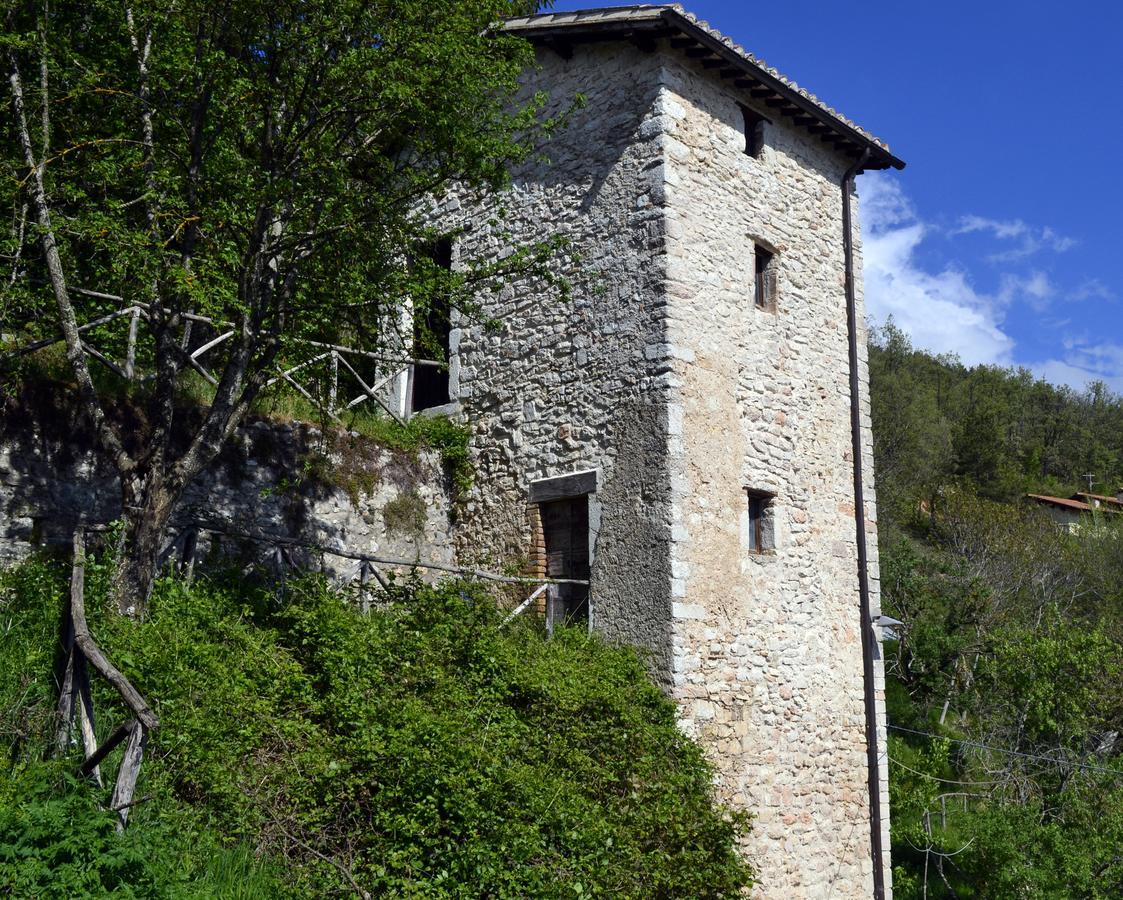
86 711
89 647
127 775
111 744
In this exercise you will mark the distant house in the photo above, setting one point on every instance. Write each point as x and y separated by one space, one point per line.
1072 512
1100 501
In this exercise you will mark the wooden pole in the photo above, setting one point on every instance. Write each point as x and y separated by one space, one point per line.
66 690
91 763
89 647
364 593
333 388
86 711
125 788
130 353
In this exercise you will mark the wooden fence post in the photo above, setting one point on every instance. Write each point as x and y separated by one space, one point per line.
66 689
125 788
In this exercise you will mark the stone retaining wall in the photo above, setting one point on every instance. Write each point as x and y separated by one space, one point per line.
278 479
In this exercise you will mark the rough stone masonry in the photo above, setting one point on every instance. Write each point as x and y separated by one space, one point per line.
716 427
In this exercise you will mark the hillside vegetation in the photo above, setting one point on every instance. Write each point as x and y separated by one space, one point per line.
424 750
1005 697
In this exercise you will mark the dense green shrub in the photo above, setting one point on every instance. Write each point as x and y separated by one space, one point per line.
422 750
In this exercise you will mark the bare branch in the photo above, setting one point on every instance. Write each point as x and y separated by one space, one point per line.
67 319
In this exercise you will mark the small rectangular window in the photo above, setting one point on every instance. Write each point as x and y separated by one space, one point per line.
764 280
760 521
754 131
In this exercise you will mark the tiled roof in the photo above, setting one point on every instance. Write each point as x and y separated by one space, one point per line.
676 19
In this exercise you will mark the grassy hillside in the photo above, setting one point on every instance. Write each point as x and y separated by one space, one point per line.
307 750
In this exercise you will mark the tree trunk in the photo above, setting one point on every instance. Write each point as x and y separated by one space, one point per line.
146 509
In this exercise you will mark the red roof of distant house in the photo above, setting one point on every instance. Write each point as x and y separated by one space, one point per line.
1062 502
1102 498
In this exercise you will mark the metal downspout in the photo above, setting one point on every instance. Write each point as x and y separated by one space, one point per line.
868 637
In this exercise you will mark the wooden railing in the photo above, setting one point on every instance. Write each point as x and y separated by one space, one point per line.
368 569
318 377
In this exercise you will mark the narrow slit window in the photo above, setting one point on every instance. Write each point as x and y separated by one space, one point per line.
764 281
760 522
754 131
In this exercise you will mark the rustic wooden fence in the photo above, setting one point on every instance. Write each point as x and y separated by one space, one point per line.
76 701
327 375
367 573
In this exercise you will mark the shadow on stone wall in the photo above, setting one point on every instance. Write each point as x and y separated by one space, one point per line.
282 479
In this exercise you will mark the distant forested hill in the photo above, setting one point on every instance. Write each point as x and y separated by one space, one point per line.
1005 690
1000 431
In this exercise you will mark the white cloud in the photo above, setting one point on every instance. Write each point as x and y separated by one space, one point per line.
1032 240
1036 289
1082 361
1092 289
1000 229
940 310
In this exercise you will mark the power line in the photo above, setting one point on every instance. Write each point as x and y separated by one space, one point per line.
897 762
1018 753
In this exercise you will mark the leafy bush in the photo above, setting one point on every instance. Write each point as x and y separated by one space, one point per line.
418 751
55 842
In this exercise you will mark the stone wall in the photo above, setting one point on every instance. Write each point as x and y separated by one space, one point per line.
767 645
579 384
278 479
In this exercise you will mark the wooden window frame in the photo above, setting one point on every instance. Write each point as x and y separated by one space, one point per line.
760 505
765 277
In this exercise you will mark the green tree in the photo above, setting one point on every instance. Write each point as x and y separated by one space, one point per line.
264 164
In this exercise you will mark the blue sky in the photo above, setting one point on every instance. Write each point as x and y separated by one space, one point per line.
1002 240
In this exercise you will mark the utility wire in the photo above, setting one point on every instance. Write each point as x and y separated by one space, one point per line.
897 762
1018 753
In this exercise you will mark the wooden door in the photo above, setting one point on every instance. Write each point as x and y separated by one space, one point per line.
565 526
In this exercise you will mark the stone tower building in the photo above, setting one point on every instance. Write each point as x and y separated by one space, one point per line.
681 432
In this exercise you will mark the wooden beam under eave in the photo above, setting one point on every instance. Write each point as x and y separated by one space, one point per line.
699 52
679 42
712 63
564 49
761 92
730 73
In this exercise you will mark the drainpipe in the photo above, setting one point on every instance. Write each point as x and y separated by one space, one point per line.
869 640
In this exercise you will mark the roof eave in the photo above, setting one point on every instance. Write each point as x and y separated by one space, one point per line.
699 43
